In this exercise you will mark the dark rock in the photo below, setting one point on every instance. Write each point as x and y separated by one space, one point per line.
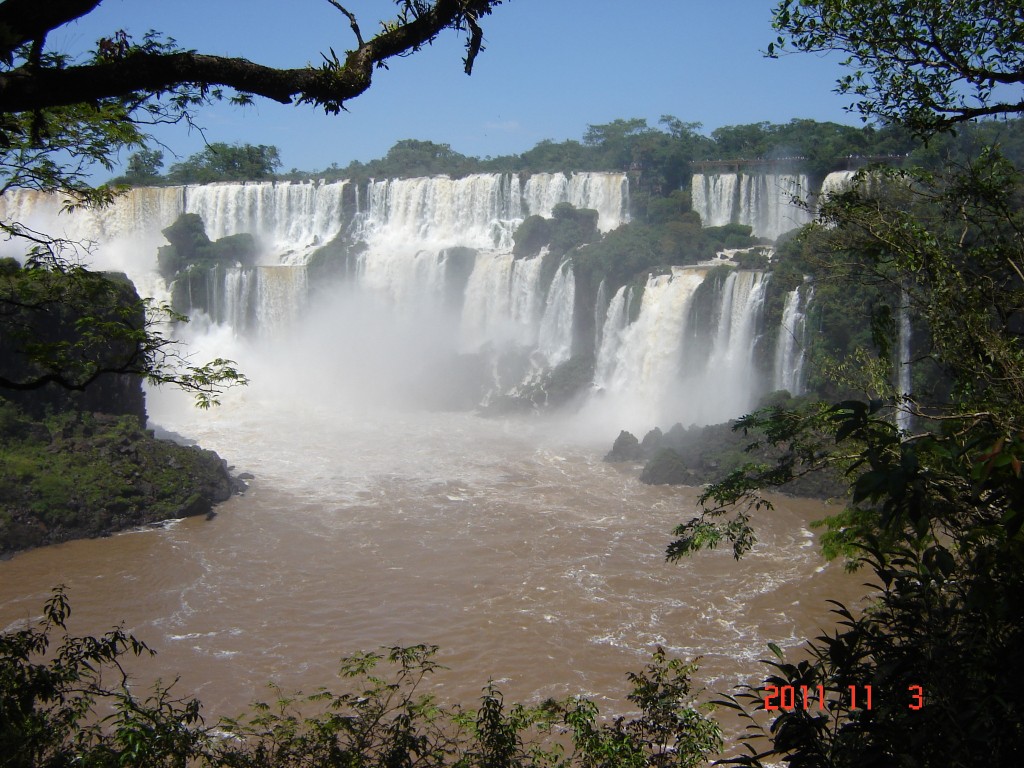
666 468
625 448
652 442
197 504
80 481
90 319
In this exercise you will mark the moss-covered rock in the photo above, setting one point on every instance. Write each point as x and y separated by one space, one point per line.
79 475
666 468
195 266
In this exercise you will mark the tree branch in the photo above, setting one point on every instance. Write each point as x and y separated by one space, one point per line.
351 19
27 88
22 21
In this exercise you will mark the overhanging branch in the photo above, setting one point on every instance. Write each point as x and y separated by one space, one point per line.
158 72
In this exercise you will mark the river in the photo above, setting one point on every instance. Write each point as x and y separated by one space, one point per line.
509 543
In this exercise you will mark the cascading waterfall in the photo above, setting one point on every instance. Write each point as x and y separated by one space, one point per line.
764 201
138 214
606 193
742 299
647 372
502 302
790 346
837 181
423 236
555 334
615 323
714 197
281 292
407 223
479 211
640 367
727 381
289 218
238 308
600 308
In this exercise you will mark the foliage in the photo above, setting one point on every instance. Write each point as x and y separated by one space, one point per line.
659 160
226 162
53 707
140 76
937 617
567 228
73 475
143 168
936 505
386 720
925 64
72 705
636 249
70 327
411 158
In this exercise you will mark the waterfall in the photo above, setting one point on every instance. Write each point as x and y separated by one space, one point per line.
238 307
502 302
438 260
790 346
643 375
682 359
606 193
764 201
714 197
555 334
727 382
600 307
138 213
837 181
280 294
289 219
479 211
615 323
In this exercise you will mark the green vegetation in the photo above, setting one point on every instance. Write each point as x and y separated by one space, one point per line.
660 160
72 705
71 335
224 162
81 474
922 64
195 266
935 509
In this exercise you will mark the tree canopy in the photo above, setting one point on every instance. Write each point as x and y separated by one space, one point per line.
226 162
935 505
926 64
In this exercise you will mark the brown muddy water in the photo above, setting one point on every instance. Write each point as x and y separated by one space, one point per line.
508 543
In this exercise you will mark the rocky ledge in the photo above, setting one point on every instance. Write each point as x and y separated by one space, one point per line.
82 475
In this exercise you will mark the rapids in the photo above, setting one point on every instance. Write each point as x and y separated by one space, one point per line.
508 543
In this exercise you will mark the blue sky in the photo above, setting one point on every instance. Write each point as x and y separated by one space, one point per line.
551 68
